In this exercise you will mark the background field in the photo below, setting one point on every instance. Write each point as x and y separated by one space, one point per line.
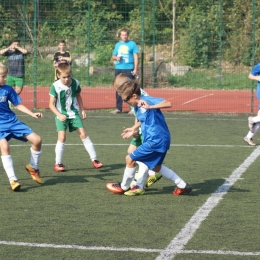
73 216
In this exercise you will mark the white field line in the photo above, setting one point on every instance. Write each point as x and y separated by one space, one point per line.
197 99
187 232
122 249
172 145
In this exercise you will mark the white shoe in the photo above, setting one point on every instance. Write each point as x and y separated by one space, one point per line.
249 141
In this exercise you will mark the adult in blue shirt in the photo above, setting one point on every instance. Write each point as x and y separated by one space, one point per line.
125 55
156 141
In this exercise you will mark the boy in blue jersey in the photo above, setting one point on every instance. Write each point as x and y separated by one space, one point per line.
11 127
66 103
156 141
254 122
125 55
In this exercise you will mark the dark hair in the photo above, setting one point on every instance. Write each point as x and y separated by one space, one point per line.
62 41
15 40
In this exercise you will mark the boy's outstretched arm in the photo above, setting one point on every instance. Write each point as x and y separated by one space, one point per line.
164 104
27 111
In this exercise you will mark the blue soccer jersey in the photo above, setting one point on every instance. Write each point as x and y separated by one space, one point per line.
7 93
256 72
10 126
154 128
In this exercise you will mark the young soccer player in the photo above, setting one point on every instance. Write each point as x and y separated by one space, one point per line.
156 141
11 127
66 103
254 122
137 138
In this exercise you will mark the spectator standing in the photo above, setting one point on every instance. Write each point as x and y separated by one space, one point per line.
61 56
125 55
16 68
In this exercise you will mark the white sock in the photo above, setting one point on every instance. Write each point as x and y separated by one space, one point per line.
90 148
59 149
151 173
256 119
250 135
9 167
142 174
35 158
171 175
129 174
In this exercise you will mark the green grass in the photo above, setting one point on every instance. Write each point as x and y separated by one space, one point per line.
74 207
195 79
208 79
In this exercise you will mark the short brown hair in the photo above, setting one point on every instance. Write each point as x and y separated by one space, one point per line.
125 86
63 68
3 68
122 30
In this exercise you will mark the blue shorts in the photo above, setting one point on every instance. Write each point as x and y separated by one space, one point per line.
15 130
147 156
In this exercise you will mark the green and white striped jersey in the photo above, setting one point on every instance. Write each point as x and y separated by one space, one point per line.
66 101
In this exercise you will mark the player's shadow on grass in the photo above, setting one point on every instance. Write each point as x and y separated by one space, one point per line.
105 168
205 187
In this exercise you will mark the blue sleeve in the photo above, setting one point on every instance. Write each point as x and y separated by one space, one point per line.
115 52
14 97
135 48
256 70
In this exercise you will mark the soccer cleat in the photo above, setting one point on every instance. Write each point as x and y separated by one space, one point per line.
115 187
59 167
179 191
135 191
15 185
35 174
251 124
152 179
97 164
249 141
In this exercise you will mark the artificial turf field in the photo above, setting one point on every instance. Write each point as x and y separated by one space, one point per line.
72 215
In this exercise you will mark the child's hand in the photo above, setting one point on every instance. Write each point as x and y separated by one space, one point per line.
62 118
37 115
142 103
83 114
128 132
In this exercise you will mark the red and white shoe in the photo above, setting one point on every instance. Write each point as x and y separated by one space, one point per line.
59 167
97 164
115 187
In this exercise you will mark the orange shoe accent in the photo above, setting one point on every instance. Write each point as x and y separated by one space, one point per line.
15 185
35 174
59 167
114 187
179 191
97 164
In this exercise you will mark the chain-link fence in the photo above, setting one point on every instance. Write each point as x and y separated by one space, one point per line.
189 45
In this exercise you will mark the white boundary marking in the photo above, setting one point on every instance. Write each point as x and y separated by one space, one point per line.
172 145
122 249
187 232
197 99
